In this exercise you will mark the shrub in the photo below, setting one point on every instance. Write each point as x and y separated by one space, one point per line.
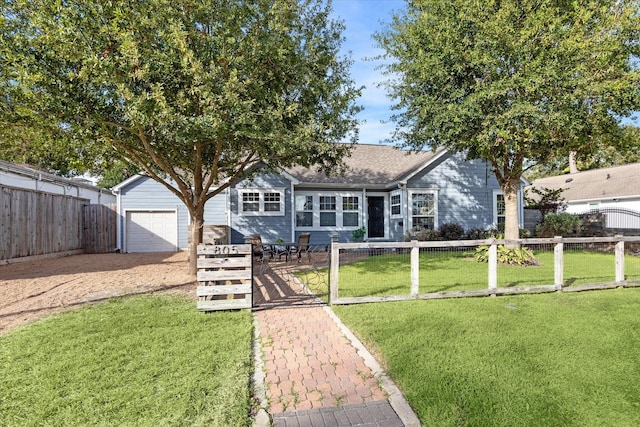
512 256
358 234
477 234
451 231
562 224
524 233
423 235
544 200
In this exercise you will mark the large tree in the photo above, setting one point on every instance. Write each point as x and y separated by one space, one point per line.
194 93
511 81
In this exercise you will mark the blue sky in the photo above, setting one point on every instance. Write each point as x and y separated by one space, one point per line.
362 18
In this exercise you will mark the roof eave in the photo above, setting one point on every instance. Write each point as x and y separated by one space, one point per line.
604 198
428 163
336 185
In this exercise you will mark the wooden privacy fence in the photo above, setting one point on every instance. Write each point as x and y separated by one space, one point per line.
225 277
34 223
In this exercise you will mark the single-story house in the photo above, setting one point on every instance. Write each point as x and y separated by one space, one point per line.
613 191
385 190
614 187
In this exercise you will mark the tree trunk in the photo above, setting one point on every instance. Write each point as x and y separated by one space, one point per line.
195 238
573 164
511 225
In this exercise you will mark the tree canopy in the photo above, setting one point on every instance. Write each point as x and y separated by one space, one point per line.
618 149
512 81
196 93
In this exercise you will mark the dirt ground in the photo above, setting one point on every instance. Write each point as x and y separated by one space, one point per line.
36 289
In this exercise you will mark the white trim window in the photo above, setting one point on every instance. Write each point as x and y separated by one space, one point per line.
424 212
261 202
335 211
499 208
395 204
304 210
328 210
350 211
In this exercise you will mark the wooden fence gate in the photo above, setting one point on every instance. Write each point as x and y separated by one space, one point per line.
224 277
99 224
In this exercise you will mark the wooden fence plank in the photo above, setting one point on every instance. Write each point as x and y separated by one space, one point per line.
5 237
223 290
235 262
206 276
223 304
224 250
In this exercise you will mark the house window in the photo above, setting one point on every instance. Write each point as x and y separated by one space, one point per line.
327 211
396 204
261 202
499 209
337 211
272 202
304 211
350 211
423 210
251 202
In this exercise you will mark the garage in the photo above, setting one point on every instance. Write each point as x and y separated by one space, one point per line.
151 231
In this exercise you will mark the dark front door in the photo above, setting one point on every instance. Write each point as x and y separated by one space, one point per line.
375 227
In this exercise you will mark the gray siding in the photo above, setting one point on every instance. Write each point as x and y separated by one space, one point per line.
270 228
215 211
147 194
397 227
465 191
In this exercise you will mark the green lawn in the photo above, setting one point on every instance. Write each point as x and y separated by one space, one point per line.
528 360
144 361
444 271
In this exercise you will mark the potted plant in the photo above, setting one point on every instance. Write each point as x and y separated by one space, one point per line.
358 234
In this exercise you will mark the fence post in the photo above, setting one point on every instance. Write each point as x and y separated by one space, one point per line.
333 268
493 265
415 268
619 259
558 263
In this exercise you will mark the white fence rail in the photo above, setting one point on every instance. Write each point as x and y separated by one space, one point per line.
611 250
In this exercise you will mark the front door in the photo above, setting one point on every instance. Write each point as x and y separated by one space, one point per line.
375 226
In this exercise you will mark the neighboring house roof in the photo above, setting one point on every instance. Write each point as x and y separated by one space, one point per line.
38 175
371 165
597 184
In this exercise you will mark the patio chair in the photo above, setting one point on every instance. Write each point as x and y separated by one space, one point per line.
259 249
302 247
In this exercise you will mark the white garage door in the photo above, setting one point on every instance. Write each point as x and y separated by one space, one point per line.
155 231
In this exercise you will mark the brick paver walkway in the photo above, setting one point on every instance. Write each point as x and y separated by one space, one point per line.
311 370
310 364
370 414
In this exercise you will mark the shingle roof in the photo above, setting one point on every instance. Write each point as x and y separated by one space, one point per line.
370 165
617 181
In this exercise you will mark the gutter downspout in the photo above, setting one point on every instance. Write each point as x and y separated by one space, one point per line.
228 211
293 212
364 215
119 222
